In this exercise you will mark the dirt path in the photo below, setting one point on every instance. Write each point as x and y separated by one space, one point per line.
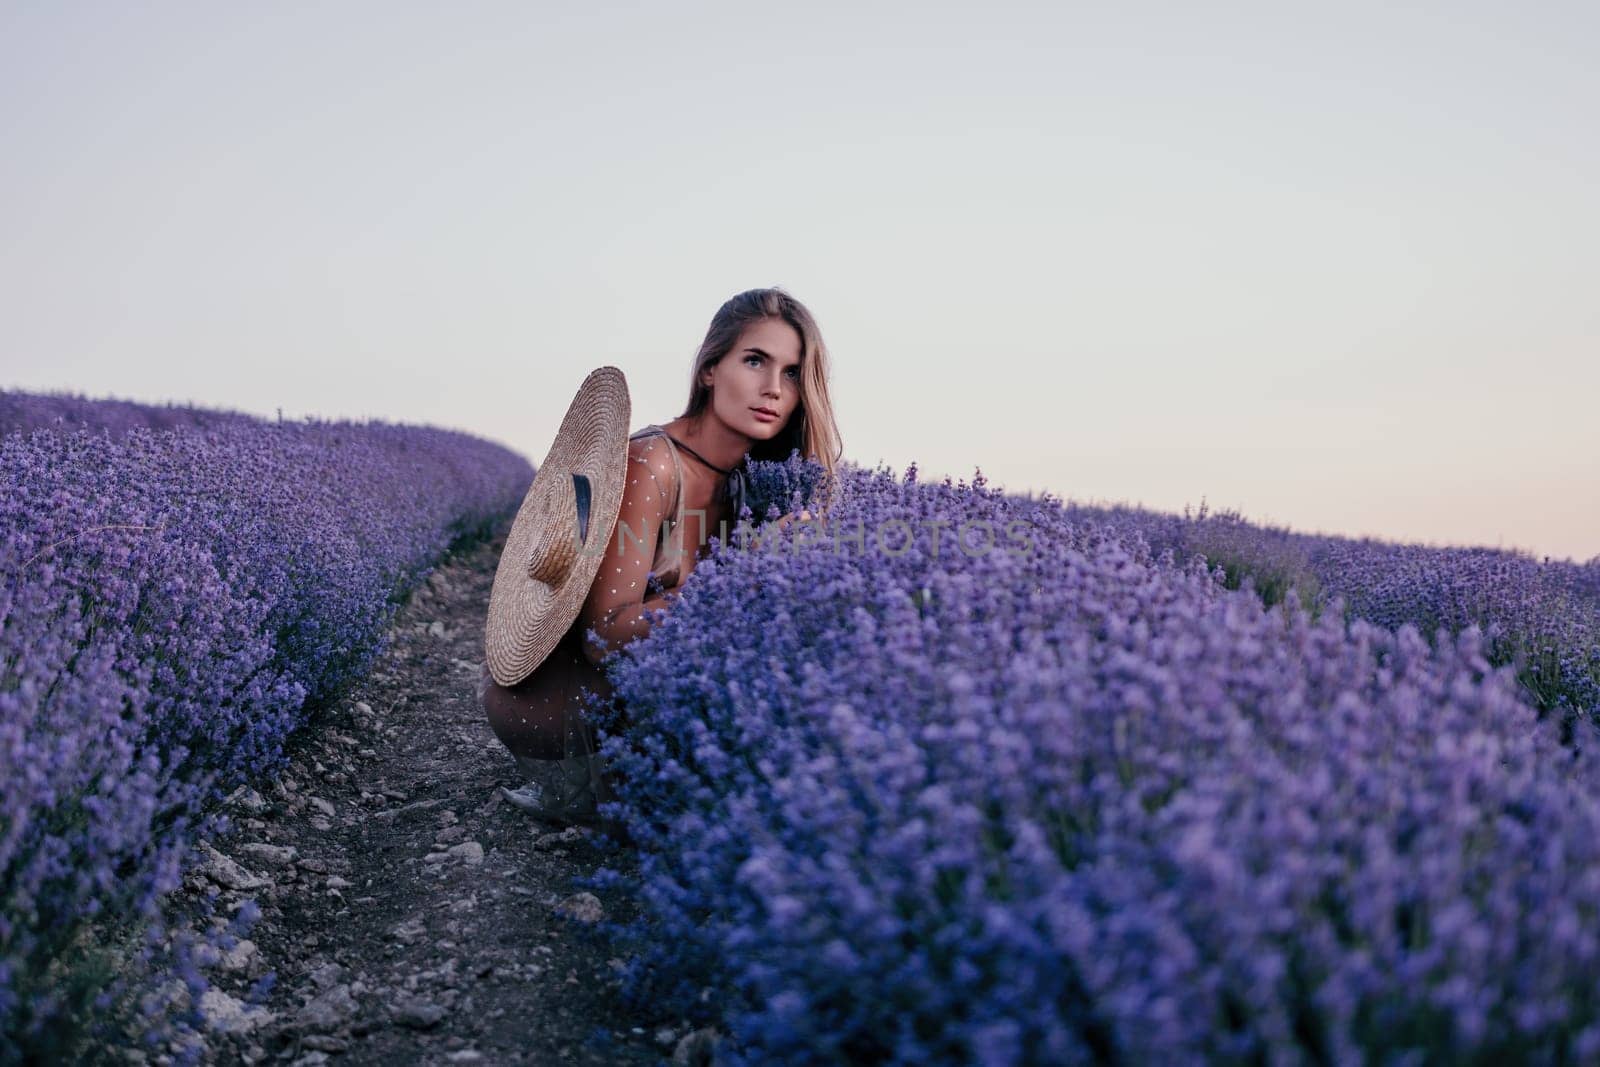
410 914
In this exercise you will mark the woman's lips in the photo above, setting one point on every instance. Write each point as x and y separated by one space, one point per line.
764 416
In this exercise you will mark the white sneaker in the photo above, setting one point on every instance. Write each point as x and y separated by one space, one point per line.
528 797
557 790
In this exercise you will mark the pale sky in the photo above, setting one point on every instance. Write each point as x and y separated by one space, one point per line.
1333 265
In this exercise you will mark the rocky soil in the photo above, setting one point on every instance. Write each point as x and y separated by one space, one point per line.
409 913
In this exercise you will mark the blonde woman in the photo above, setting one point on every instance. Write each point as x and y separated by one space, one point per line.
759 385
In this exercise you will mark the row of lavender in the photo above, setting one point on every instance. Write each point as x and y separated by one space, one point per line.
174 603
1542 617
24 412
1069 802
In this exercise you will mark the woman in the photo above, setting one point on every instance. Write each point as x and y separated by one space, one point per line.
758 386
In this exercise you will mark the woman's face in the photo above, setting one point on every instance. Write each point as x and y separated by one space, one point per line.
762 372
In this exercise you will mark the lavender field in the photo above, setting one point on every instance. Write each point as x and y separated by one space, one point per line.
1091 798
950 776
1539 616
181 591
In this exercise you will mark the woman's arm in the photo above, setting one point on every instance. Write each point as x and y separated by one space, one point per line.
615 607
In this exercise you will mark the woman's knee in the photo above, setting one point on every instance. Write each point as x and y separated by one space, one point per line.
522 728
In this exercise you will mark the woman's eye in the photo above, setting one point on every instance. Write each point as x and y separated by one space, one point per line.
748 359
794 373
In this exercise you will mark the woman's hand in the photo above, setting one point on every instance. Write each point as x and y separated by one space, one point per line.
664 599
804 516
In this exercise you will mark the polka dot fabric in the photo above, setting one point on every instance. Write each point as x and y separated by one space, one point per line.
644 559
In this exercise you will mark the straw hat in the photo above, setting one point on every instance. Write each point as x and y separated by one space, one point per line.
559 538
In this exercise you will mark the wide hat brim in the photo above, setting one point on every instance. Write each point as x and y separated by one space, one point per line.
558 539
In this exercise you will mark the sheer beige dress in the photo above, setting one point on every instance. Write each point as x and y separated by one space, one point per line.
539 718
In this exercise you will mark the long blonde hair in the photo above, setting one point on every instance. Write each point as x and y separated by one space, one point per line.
811 428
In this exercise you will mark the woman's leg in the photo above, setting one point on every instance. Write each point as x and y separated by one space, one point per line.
541 722
540 717
531 722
